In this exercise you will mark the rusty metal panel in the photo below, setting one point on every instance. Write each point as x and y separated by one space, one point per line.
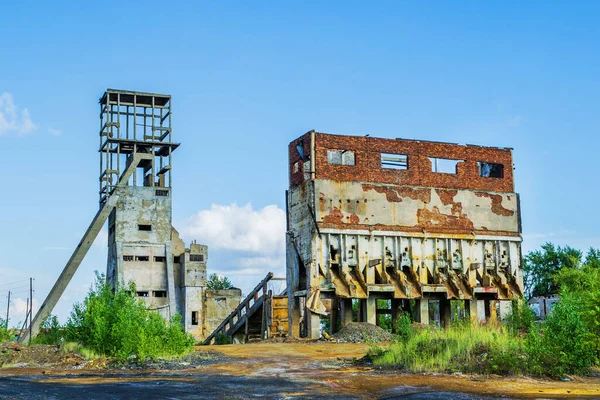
279 325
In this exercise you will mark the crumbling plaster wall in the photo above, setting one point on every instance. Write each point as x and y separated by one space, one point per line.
365 231
218 305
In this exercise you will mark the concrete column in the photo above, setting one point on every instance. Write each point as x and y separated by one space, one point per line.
493 311
346 311
395 308
445 313
371 310
314 325
294 317
505 309
480 310
333 316
423 310
471 309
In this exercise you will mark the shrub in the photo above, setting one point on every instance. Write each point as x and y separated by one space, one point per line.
50 332
222 339
5 335
115 323
521 318
402 326
563 344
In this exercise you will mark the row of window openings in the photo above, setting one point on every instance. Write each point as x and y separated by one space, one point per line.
155 293
400 162
176 259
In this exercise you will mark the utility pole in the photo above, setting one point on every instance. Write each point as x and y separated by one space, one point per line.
7 310
30 306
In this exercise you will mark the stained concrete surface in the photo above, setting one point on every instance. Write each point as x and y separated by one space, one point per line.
166 386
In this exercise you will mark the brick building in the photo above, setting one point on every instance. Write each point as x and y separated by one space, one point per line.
415 223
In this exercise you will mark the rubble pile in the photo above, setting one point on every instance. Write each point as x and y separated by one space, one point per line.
362 332
37 355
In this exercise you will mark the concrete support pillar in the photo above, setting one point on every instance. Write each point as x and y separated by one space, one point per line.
445 313
346 311
362 310
471 309
396 304
294 317
422 309
493 311
481 310
333 316
371 310
314 325
505 309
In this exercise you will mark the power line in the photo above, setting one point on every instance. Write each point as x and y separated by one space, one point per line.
12 283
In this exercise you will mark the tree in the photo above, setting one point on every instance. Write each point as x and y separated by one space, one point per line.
540 266
216 282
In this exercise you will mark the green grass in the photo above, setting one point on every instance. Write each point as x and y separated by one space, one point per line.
463 347
78 348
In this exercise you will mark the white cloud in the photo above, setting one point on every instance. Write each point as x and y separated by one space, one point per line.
12 118
54 132
239 228
248 243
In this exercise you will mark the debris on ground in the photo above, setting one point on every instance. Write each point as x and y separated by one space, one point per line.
14 355
38 355
362 332
192 360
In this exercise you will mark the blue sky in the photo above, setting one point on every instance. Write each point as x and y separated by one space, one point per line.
246 79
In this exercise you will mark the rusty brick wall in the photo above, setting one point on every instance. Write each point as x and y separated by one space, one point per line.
419 173
294 157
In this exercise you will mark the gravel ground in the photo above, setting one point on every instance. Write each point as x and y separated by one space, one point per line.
362 332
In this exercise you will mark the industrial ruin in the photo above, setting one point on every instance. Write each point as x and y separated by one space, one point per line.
135 187
417 223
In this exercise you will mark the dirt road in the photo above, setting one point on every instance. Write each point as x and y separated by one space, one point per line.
280 370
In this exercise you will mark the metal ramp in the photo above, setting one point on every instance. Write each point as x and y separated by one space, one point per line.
255 315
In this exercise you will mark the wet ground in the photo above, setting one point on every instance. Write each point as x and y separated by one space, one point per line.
278 371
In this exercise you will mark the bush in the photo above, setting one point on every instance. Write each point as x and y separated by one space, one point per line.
116 324
521 318
51 332
5 335
563 344
222 339
402 327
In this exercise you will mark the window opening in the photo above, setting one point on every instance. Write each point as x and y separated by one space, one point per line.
197 257
340 157
142 258
127 258
145 227
194 317
491 170
394 161
444 165
160 258
160 293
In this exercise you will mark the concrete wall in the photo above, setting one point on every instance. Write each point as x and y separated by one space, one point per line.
361 230
218 305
